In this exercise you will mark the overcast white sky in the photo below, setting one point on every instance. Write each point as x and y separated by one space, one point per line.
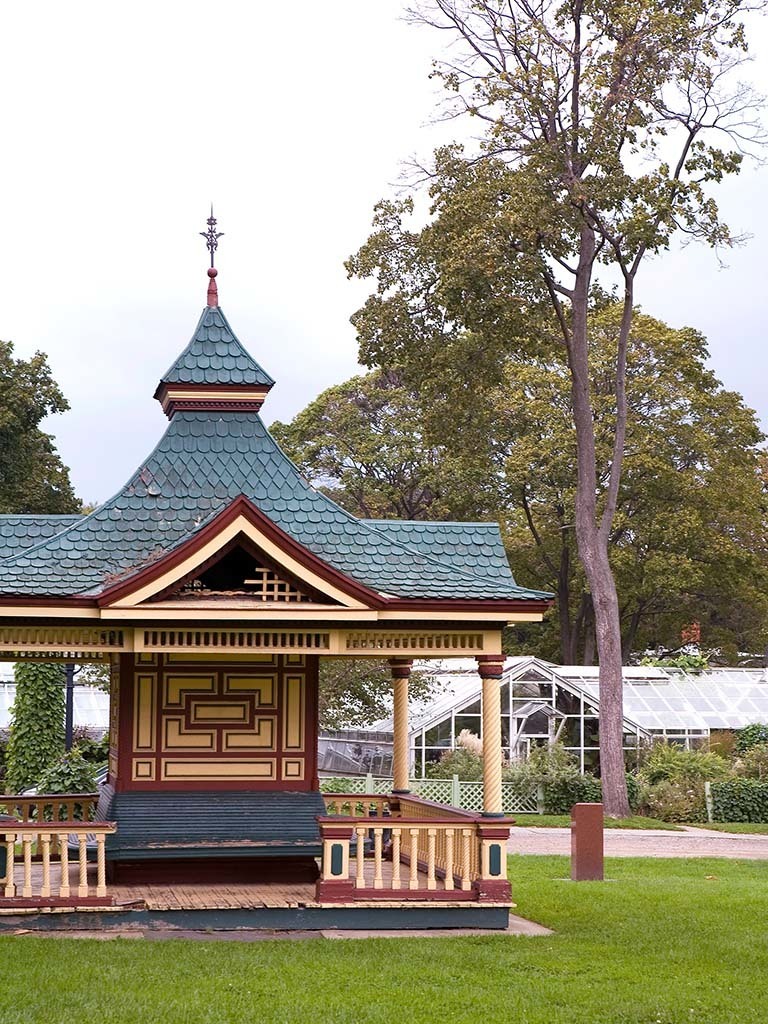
121 123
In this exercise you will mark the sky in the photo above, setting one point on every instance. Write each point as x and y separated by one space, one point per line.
121 123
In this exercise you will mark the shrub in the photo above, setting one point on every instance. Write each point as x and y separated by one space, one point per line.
740 800
668 762
95 751
750 736
37 727
753 763
338 785
676 800
461 761
71 773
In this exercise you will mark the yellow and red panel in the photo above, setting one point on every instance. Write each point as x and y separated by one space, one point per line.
186 723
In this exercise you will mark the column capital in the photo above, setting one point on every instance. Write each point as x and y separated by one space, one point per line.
400 667
490 666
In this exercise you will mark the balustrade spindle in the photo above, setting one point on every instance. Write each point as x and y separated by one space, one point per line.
466 854
10 853
45 843
431 838
101 866
413 882
360 877
449 859
378 880
64 852
395 858
26 845
82 842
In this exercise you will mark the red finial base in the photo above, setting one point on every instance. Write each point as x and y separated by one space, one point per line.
213 292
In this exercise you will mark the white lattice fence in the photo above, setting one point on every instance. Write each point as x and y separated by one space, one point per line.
466 795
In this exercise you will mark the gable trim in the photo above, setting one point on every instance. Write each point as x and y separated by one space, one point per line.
241 517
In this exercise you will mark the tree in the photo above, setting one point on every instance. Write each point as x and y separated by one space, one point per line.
33 478
689 538
357 691
601 115
361 441
36 737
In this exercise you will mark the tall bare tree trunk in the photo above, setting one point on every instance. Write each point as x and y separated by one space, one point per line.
593 544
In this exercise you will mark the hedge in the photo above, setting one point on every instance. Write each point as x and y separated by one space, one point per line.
740 800
560 795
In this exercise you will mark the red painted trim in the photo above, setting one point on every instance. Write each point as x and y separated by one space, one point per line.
55 901
386 895
493 890
42 602
495 831
339 891
241 506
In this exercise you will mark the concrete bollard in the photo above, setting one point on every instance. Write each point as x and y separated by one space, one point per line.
587 843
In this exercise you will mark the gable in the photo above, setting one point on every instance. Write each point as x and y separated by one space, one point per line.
242 559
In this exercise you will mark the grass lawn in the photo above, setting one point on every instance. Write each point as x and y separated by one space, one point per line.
665 942
637 821
750 827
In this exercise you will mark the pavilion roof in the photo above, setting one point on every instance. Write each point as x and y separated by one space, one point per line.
215 356
210 456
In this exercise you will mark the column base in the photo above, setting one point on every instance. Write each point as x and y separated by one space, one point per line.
401 792
492 814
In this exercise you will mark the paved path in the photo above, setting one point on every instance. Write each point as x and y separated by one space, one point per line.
624 842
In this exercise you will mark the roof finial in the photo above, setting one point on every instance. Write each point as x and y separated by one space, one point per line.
212 237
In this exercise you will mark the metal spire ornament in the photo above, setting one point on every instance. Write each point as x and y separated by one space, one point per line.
212 237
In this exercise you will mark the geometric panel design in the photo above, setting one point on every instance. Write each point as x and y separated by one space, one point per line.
143 770
293 768
203 724
144 694
293 713
245 768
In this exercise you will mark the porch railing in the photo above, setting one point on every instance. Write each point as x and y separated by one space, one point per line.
49 883
406 848
53 807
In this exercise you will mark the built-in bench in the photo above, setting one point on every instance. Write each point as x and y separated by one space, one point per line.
221 835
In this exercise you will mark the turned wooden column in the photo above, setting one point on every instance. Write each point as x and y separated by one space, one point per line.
401 671
491 667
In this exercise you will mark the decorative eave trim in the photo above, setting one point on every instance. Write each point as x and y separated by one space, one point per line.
238 517
210 397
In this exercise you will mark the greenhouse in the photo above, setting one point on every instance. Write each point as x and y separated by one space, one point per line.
543 703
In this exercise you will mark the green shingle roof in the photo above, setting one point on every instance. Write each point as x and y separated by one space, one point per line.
20 532
215 356
472 547
204 461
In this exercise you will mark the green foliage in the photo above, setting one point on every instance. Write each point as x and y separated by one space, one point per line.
751 735
666 762
70 773
37 728
462 762
687 662
95 751
740 800
32 476
676 799
753 763
335 785
357 691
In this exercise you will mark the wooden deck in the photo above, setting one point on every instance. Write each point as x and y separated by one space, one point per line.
208 896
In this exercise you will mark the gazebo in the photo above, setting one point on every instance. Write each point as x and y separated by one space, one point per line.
213 583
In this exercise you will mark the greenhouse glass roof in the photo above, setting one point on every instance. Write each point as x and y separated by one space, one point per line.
659 698
654 698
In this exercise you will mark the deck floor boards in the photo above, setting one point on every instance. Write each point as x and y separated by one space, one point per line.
207 896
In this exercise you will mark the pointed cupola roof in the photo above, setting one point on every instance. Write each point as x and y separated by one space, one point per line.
214 372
